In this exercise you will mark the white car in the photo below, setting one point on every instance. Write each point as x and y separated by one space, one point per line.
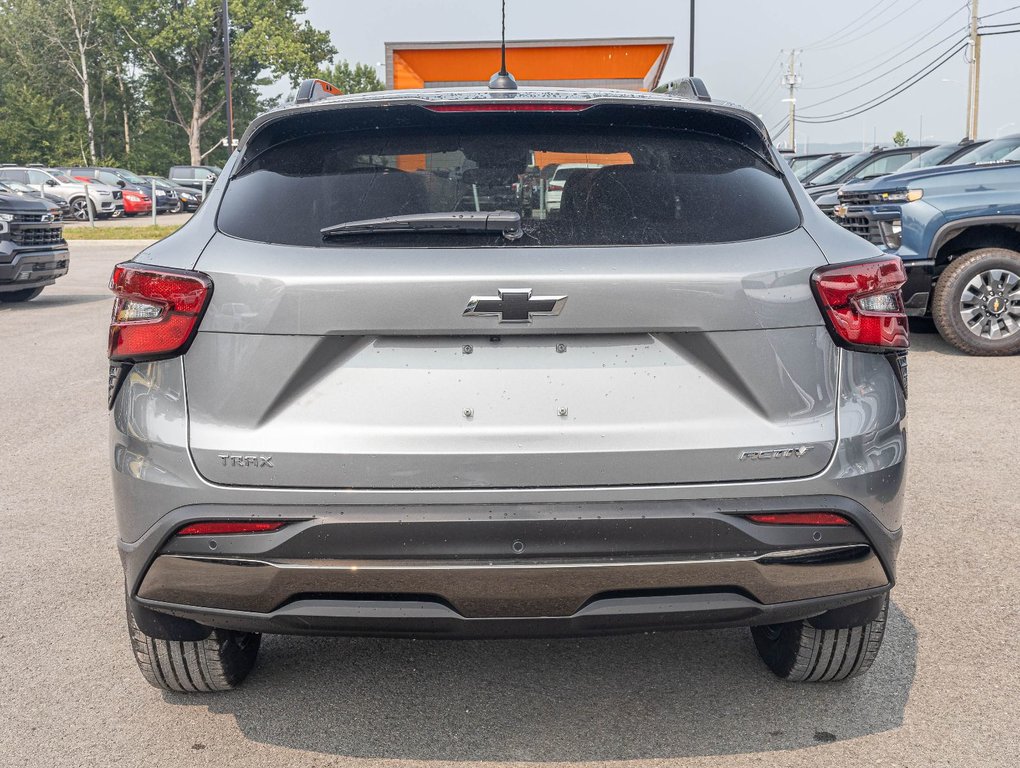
106 200
554 194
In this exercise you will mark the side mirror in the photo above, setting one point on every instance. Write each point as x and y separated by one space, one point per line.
121 183
50 183
211 178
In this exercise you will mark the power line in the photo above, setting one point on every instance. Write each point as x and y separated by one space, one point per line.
999 13
863 18
764 80
993 34
873 30
996 26
892 93
889 71
829 84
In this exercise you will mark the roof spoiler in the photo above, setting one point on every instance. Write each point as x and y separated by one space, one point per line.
686 87
315 89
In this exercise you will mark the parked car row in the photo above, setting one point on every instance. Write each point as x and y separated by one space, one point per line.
109 192
952 215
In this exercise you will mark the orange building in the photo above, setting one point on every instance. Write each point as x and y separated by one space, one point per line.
634 63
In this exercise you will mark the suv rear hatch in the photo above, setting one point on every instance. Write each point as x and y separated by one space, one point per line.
658 328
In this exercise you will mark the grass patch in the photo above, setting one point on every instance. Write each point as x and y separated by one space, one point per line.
150 232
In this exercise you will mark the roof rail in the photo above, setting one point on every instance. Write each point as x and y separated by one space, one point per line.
315 89
686 87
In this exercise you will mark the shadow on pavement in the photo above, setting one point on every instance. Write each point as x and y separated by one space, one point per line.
48 302
610 698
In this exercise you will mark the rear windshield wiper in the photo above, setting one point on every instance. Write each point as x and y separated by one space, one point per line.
507 223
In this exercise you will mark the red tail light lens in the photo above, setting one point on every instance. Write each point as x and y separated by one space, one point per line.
155 312
863 305
224 527
798 518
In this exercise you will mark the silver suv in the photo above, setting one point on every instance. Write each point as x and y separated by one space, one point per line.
371 388
106 200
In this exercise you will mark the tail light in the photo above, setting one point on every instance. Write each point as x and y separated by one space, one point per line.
862 304
223 527
798 518
156 311
555 186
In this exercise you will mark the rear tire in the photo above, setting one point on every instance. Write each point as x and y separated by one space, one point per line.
220 662
799 652
26 295
974 285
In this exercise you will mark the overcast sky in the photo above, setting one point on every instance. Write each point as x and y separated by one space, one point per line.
738 51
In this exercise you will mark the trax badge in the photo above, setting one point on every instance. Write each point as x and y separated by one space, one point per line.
257 462
778 453
514 305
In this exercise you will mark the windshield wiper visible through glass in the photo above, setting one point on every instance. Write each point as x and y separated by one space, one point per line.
507 223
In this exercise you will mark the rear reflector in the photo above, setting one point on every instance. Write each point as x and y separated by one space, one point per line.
155 312
798 518
224 527
507 107
862 304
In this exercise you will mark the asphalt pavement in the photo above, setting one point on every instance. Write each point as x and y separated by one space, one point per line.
945 690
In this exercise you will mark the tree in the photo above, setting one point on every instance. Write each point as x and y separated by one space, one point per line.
360 78
178 43
900 139
66 32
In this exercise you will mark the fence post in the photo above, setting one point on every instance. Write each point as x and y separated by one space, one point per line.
153 202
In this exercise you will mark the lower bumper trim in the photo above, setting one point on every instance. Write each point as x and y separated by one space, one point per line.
510 588
422 618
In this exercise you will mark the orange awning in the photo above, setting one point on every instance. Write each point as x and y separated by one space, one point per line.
631 63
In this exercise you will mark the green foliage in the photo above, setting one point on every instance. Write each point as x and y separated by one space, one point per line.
360 78
900 139
156 65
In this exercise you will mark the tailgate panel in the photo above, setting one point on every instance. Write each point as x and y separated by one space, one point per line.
374 411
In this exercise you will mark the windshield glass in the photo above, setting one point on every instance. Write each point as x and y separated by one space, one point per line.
130 178
836 172
930 158
991 152
614 184
804 169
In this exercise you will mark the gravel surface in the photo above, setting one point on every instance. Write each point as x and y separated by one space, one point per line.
945 690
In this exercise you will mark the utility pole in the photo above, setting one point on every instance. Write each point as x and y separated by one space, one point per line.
974 79
228 79
791 80
692 39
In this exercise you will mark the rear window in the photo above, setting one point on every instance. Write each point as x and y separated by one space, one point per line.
614 184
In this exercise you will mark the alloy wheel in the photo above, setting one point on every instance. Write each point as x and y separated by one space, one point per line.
79 209
990 304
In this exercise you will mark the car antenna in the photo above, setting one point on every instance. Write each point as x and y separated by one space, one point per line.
502 80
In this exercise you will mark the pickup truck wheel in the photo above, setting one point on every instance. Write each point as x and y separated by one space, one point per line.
25 295
976 305
800 652
218 663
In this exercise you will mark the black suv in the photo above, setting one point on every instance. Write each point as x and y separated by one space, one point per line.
33 253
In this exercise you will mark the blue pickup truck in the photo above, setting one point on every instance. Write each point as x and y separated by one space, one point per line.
957 230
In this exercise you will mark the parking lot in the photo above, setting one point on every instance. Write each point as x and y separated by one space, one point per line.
942 693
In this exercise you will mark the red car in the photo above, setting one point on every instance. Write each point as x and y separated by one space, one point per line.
135 202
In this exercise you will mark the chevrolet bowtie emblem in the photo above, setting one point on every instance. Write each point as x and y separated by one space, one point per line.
514 305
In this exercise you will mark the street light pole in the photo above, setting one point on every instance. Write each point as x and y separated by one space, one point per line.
228 78
692 39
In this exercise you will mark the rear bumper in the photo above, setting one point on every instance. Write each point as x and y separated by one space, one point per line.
513 569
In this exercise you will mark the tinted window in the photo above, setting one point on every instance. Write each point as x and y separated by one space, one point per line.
806 167
931 158
642 186
21 176
991 152
836 172
882 166
182 173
